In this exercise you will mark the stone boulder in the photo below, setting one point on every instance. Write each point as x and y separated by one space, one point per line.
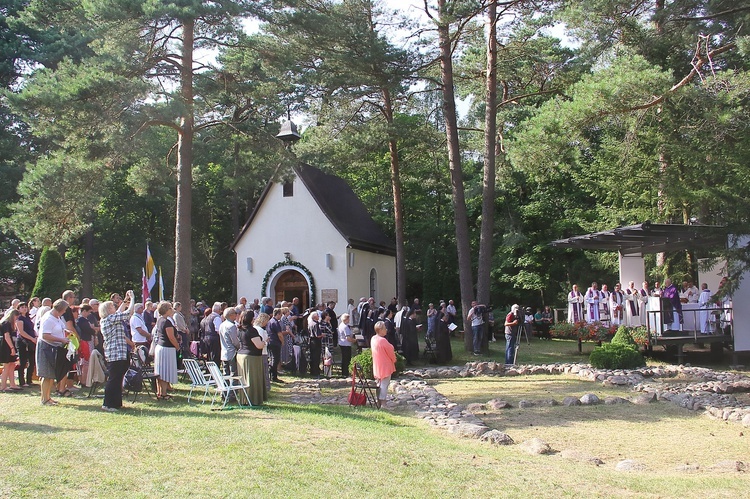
536 446
476 408
615 400
496 437
546 403
571 401
589 399
524 404
729 466
468 430
581 457
497 404
630 465
687 468
644 399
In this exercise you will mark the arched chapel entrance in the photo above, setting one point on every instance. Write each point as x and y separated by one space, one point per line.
292 284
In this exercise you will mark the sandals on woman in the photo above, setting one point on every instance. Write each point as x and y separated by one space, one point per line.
164 397
66 393
50 402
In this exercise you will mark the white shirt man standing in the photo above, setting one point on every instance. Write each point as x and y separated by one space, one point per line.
138 331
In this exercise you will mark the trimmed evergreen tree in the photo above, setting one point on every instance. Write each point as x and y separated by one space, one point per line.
52 279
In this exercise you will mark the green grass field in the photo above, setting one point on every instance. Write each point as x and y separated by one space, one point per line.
172 449
169 449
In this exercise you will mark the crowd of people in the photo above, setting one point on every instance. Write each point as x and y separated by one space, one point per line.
256 341
630 306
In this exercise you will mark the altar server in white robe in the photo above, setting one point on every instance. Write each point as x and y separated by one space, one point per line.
616 305
645 294
575 305
592 298
605 312
632 306
704 301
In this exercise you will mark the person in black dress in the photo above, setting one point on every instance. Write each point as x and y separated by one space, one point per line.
316 344
8 354
443 353
409 337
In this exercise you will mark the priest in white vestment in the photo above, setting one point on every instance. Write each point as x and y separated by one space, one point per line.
616 305
592 298
704 301
575 305
632 306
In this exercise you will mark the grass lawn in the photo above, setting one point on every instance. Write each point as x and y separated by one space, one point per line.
565 351
170 449
660 435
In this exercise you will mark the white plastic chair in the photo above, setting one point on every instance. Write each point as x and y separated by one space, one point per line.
197 378
225 385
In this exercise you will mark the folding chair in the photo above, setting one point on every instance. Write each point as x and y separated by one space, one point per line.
430 352
138 362
97 373
366 386
225 385
198 379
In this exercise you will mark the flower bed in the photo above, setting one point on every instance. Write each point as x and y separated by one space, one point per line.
596 331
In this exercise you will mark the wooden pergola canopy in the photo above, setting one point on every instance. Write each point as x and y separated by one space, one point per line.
648 237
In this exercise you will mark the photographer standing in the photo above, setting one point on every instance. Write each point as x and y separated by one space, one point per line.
511 334
476 316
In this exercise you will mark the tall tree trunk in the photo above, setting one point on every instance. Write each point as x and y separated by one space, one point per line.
234 205
490 158
663 159
183 265
661 200
398 207
87 280
488 184
454 160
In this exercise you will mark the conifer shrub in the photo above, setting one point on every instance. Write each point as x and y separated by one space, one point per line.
623 337
51 278
616 356
365 360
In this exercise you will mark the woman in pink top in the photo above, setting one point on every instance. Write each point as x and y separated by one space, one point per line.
383 361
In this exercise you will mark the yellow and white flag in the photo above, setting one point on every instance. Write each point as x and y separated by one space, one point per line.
150 270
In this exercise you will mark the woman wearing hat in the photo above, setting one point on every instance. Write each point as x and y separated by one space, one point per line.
511 334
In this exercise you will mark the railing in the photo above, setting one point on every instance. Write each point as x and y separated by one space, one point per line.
710 321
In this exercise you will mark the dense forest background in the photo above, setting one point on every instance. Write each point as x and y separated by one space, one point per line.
134 121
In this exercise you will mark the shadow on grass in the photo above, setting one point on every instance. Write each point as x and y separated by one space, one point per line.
33 427
561 416
340 411
178 406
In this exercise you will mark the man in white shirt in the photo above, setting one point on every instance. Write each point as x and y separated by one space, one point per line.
477 323
138 331
451 311
230 341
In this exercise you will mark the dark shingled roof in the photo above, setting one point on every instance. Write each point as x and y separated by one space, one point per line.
343 209
649 237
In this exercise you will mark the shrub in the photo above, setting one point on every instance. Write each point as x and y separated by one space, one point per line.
616 356
623 337
365 360
51 279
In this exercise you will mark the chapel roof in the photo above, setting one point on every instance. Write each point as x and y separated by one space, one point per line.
341 206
